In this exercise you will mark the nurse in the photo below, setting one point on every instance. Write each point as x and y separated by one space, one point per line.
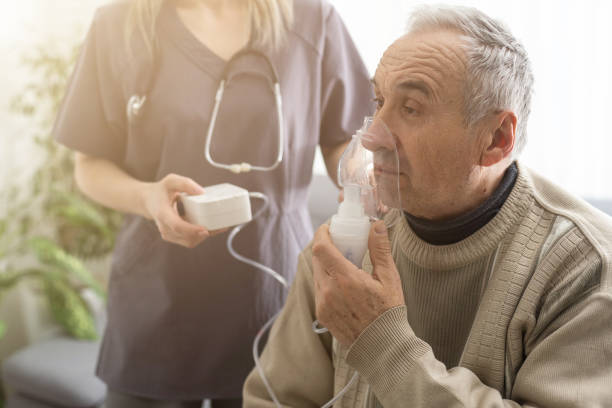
182 313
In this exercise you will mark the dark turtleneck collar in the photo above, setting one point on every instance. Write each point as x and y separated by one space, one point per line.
454 230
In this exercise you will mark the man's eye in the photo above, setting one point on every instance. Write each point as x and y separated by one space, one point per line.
379 102
409 110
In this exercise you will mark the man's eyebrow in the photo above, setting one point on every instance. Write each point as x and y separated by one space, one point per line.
409 85
415 85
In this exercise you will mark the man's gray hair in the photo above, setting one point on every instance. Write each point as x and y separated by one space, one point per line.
499 74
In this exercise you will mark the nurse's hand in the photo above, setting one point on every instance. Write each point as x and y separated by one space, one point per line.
160 201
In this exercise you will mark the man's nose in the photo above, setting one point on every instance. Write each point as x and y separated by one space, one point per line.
378 136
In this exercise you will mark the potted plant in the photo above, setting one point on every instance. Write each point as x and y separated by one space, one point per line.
49 228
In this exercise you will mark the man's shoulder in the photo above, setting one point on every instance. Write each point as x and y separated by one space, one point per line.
578 229
595 224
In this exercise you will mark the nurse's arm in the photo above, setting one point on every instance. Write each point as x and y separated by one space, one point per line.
106 183
331 156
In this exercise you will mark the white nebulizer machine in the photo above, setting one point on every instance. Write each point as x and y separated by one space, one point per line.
221 206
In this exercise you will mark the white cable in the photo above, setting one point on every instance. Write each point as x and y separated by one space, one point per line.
258 364
283 281
269 271
317 329
248 261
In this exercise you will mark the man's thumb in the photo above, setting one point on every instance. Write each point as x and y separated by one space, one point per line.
379 246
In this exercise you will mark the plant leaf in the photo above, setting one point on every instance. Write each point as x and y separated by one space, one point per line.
49 253
79 212
70 310
8 279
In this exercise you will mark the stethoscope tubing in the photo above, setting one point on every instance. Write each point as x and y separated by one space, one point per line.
246 167
136 102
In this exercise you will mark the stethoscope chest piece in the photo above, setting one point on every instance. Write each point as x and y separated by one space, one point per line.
134 105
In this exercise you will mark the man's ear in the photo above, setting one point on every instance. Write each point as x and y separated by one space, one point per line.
499 139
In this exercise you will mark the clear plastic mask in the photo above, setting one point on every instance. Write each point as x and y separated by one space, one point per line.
371 162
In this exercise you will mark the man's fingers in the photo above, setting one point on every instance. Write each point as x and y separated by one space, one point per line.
380 251
319 242
326 253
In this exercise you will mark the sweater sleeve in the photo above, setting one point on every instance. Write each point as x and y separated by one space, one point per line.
567 366
296 361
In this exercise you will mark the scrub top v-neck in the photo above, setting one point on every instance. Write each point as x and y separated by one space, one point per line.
181 321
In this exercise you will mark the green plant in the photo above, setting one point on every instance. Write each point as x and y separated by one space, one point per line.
49 228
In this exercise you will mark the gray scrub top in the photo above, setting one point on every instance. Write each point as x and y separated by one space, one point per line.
181 321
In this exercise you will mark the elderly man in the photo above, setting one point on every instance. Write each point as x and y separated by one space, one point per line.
494 290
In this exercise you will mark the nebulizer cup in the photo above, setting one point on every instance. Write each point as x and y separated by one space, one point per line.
368 172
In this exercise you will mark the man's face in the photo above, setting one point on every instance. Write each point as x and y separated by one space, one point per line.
419 89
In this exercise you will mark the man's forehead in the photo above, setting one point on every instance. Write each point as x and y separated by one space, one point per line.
433 55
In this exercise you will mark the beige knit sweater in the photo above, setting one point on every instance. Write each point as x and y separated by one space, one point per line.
518 314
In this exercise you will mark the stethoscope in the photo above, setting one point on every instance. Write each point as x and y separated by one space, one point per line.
136 102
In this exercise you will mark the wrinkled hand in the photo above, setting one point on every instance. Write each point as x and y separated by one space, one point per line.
160 201
347 298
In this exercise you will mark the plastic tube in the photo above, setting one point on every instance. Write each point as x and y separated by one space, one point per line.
246 260
258 364
260 333
272 273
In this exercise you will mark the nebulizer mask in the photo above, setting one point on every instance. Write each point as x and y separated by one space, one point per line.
368 172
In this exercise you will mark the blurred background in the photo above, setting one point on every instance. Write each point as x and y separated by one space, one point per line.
569 42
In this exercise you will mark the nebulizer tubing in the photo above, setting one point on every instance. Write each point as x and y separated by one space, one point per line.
265 379
246 260
356 182
267 325
270 272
